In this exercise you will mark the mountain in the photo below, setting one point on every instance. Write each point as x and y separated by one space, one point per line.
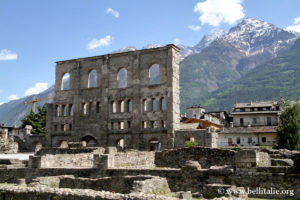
269 81
209 38
204 42
12 112
229 57
218 60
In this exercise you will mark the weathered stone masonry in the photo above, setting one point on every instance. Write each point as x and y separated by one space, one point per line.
140 114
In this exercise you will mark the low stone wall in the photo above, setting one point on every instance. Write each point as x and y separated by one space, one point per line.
82 160
207 157
134 159
123 184
64 158
130 159
277 178
55 151
12 175
15 192
203 137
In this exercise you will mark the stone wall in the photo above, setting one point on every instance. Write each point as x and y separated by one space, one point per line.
203 137
207 157
123 184
134 159
81 160
12 175
15 192
279 178
107 113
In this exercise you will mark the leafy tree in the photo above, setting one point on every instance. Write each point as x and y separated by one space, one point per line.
288 133
37 121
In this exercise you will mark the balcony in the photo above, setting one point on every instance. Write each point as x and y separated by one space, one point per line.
246 124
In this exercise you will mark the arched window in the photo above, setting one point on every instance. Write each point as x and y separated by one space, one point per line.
122 78
84 108
163 105
129 105
154 74
92 79
121 106
65 108
120 144
113 107
65 82
154 105
71 110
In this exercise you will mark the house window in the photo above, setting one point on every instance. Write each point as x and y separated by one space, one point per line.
84 108
55 127
269 122
70 127
242 121
249 140
254 121
264 139
238 140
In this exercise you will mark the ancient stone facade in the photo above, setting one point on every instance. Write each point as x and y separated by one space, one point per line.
129 99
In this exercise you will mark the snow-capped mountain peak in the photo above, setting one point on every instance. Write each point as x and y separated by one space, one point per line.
209 38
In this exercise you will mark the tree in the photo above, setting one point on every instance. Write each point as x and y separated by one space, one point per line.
288 133
37 121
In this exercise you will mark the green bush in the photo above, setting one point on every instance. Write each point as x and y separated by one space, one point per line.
190 143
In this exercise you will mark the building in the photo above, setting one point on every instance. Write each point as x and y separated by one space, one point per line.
128 99
193 123
247 136
254 123
263 113
195 111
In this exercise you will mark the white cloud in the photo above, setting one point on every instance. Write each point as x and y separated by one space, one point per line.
115 13
95 43
296 26
296 20
177 41
7 55
1 103
194 27
215 12
13 97
39 87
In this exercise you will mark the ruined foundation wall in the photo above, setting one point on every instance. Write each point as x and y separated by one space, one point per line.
134 159
204 138
207 157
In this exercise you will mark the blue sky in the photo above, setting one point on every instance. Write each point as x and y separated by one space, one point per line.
36 33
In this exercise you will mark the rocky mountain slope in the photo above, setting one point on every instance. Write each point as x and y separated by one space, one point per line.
269 81
229 57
